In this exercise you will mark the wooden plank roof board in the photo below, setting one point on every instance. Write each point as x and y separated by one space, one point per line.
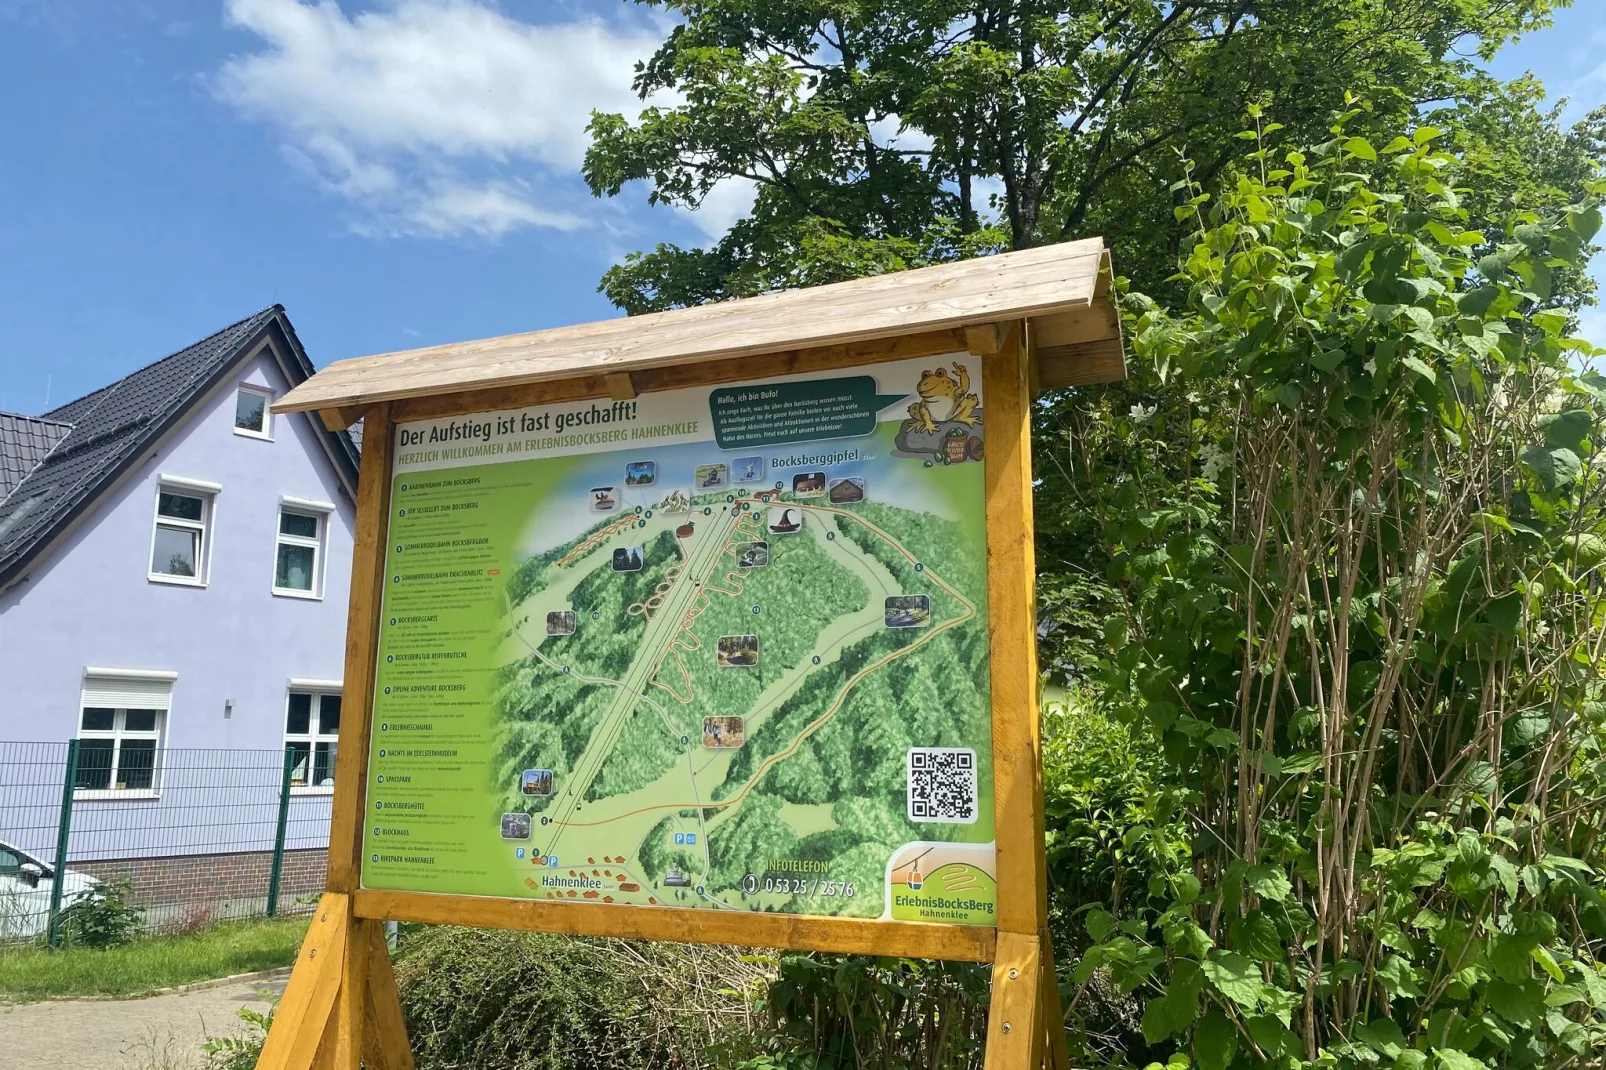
1043 284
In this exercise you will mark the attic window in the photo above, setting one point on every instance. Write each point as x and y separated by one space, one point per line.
251 417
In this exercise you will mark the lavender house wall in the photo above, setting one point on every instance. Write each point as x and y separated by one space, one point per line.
89 601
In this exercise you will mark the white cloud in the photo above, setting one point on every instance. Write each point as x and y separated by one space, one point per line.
726 203
885 132
985 192
434 117
490 211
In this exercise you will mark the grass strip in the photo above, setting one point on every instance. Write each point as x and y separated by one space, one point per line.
149 962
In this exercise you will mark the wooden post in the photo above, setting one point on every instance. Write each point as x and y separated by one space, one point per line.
362 649
1020 1003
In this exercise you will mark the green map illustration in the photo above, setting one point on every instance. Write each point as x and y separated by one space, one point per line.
711 694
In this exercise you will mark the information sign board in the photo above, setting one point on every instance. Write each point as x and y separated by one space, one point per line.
720 647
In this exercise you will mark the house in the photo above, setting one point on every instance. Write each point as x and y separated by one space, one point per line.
174 565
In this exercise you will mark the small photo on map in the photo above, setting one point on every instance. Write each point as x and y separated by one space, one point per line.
784 520
675 501
808 485
627 559
737 652
747 470
847 491
535 782
757 555
604 499
641 473
515 826
724 733
710 477
560 622
908 610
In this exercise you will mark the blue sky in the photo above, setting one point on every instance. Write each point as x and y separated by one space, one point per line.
396 174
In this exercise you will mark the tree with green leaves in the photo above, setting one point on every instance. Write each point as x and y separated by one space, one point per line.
883 134
1360 561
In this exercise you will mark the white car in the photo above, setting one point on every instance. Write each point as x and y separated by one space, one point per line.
26 882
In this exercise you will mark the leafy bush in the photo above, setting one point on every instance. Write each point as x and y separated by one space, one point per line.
842 1012
1111 821
536 1001
101 917
241 1051
1358 538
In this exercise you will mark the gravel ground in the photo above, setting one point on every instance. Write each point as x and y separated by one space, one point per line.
155 1033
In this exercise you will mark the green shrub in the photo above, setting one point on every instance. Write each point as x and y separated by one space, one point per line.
102 917
535 1001
1111 821
842 1012
241 1051
1358 538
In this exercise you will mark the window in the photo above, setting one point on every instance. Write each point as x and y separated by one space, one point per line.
295 566
120 730
298 547
311 734
251 416
179 543
117 749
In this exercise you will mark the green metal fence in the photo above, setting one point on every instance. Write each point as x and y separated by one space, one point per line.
185 836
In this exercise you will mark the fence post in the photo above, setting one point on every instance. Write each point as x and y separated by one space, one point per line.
63 830
278 836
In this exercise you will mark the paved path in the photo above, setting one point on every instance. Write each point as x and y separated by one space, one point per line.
155 1033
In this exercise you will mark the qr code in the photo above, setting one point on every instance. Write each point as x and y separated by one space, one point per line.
942 785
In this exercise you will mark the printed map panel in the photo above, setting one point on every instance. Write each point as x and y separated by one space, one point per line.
718 648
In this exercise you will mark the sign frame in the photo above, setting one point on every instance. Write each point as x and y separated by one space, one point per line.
341 1008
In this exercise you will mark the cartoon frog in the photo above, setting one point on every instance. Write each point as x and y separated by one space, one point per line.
953 400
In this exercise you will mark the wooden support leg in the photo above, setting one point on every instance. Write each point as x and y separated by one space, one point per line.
384 1032
309 1000
1056 1052
340 1010
351 1009
1014 1020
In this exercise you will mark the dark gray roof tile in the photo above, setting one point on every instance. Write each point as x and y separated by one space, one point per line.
24 442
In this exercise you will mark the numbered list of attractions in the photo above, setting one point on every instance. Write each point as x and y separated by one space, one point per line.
442 601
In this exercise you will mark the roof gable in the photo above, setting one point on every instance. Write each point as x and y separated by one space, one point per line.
100 435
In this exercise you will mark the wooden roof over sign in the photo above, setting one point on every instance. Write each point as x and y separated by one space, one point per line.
1061 291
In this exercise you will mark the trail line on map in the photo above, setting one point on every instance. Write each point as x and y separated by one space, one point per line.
547 660
699 606
585 547
611 729
852 682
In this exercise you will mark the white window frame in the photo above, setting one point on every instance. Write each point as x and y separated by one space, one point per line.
266 434
203 489
312 737
309 507
161 705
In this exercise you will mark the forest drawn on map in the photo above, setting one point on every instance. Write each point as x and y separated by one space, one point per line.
691 773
